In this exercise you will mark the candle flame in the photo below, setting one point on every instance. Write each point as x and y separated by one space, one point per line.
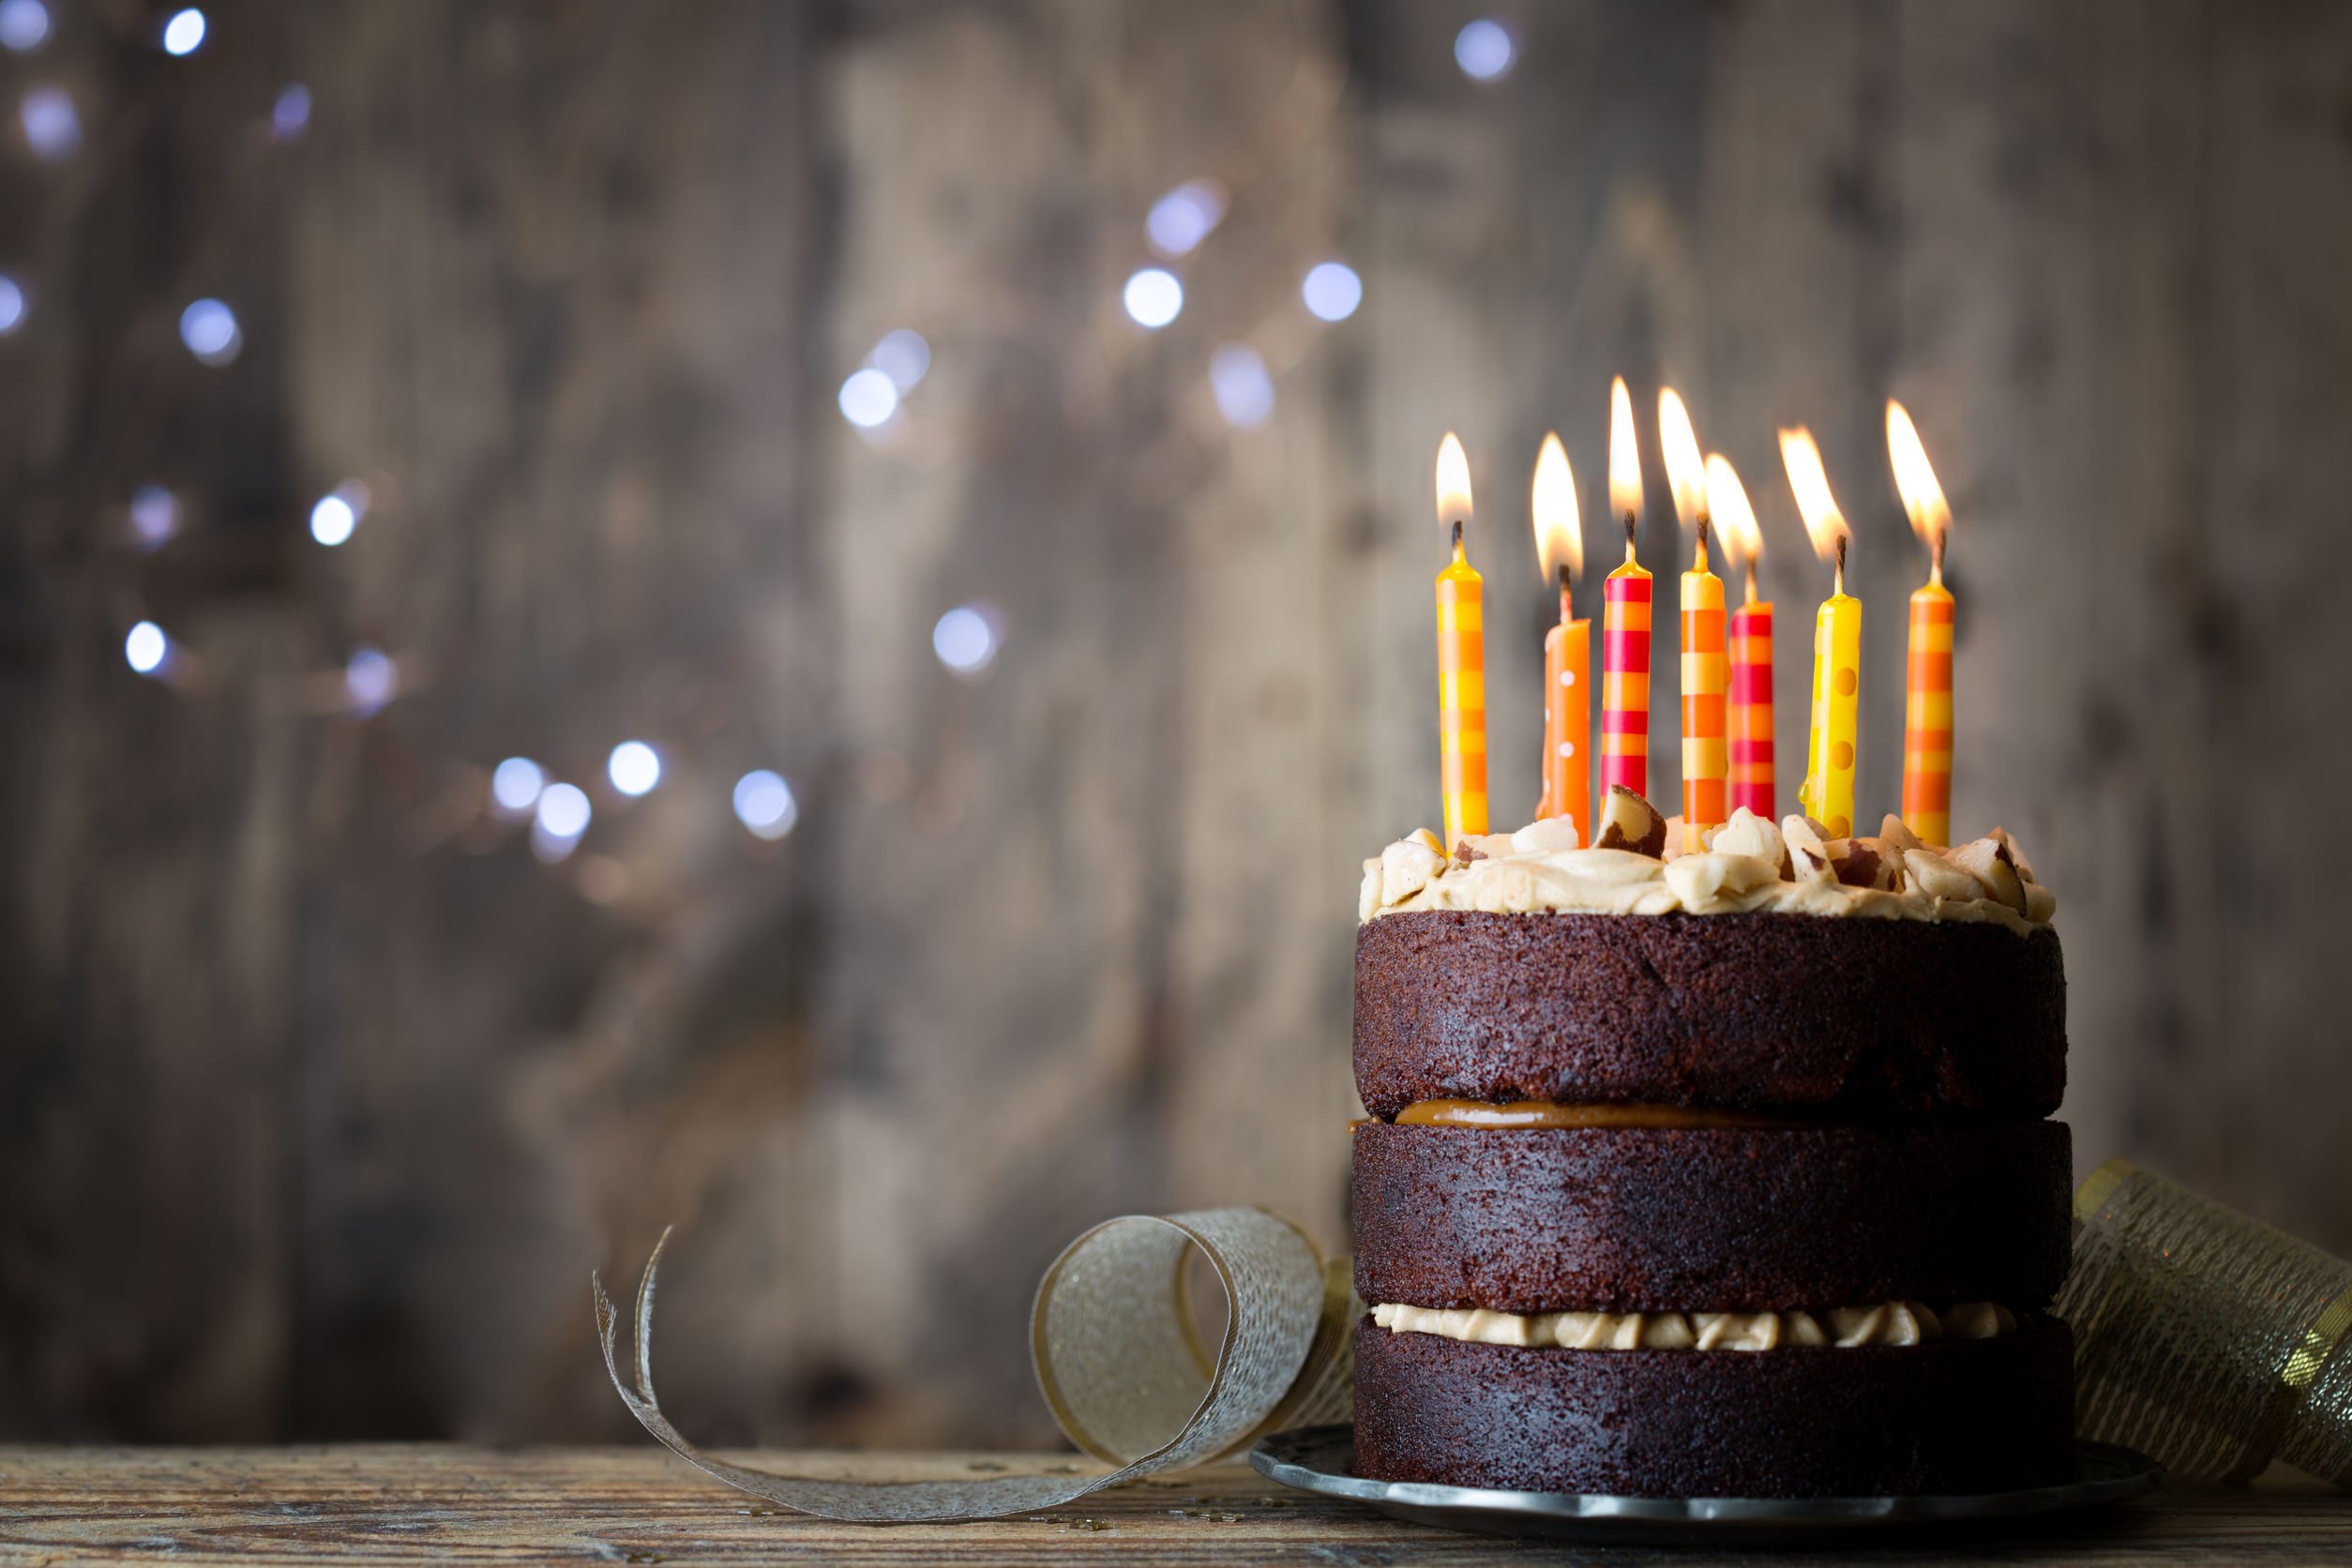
1686 471
1454 487
1734 518
1624 457
1558 540
1803 459
1922 497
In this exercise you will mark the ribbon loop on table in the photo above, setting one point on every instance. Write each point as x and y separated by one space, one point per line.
1118 1360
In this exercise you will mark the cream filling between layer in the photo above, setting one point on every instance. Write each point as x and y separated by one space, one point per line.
1888 1324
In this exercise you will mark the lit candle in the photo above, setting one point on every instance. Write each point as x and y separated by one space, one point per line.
1625 620
1461 660
1567 648
1750 724
1828 791
1927 685
1704 674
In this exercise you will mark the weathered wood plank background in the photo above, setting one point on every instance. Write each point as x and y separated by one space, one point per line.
319 1098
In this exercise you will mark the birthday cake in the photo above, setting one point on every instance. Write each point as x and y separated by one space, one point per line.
1717 1173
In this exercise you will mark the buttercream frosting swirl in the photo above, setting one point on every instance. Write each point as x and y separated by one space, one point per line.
1749 866
1839 1327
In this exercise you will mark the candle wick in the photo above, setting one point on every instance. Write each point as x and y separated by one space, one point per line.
1841 563
1631 521
1566 613
1457 535
1700 565
1751 582
1935 558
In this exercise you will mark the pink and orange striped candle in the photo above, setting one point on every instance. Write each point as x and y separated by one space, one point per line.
1626 619
1750 720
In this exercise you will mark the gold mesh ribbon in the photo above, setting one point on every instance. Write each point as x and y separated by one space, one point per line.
1119 1359
2204 1337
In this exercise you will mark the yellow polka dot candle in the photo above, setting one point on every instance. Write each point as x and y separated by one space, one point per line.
1828 791
1705 671
1625 620
1461 660
1567 648
1927 665
1748 728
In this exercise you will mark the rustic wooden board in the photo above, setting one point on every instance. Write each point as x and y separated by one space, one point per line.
436 1503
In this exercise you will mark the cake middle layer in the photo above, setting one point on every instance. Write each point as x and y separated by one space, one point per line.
1746 1219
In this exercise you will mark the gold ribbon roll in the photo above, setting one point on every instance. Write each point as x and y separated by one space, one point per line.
1118 1358
2206 1339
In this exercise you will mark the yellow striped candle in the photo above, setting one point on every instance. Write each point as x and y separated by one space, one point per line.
1749 723
1461 660
1625 620
1927 667
1705 673
1828 791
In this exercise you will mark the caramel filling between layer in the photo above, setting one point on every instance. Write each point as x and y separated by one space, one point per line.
1542 1113
1838 1327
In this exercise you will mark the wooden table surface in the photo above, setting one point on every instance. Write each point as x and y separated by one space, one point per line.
444 1502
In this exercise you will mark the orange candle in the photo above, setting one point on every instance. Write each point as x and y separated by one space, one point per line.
1567 648
1705 675
1828 791
1927 668
1625 620
1461 660
1749 724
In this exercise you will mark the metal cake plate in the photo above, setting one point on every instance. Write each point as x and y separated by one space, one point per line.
1315 1459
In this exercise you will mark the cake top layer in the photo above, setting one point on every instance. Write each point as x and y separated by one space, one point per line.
1746 866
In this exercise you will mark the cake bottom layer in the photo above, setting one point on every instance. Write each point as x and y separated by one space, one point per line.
1951 1416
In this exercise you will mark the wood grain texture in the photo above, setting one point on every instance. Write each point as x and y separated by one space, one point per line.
319 1096
433 1504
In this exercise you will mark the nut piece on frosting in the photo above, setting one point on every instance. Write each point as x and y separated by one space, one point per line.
1897 832
1548 835
1988 861
1808 848
1750 834
1404 868
1934 877
1630 822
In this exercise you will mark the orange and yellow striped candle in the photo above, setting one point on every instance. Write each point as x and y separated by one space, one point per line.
1749 724
1927 667
1567 648
1625 620
1828 791
1461 660
1705 671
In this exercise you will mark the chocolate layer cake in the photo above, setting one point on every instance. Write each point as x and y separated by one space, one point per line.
1715 1174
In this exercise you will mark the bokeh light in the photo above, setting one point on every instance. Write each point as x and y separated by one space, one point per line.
53 126
24 25
1187 215
516 785
185 33
209 328
868 399
1153 298
154 515
1484 50
1243 389
14 306
290 112
1332 291
966 638
563 816
765 804
903 356
370 680
634 767
146 648
338 513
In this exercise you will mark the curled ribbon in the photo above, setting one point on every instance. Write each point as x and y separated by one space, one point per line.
1117 1357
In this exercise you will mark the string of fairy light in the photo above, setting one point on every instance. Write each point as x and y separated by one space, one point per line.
966 638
